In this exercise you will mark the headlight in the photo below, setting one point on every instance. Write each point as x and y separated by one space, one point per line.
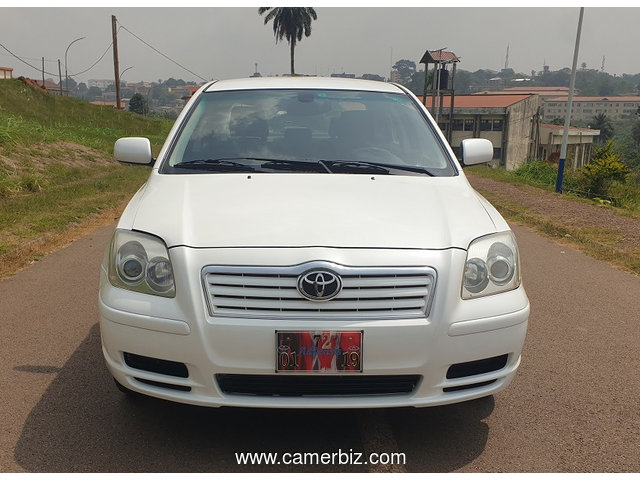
140 262
492 266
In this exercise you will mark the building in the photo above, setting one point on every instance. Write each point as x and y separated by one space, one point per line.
583 109
104 103
343 75
579 144
395 76
507 120
5 73
101 84
51 86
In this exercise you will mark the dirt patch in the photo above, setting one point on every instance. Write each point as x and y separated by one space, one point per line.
38 157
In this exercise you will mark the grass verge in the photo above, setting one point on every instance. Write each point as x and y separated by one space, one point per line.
598 243
35 223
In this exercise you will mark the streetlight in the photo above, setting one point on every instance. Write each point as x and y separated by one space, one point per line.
128 68
66 76
567 117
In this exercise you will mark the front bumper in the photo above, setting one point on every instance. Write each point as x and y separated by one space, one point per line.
181 331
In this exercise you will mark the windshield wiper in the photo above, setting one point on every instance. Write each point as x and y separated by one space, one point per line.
217 164
296 165
375 167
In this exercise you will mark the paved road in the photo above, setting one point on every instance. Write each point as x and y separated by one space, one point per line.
574 406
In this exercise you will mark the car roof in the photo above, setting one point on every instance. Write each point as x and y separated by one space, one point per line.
328 83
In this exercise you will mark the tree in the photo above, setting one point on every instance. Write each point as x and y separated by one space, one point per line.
93 93
603 123
290 23
373 76
635 133
416 82
82 90
138 104
405 67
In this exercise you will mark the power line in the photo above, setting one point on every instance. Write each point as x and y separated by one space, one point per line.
55 61
25 62
30 58
95 63
165 56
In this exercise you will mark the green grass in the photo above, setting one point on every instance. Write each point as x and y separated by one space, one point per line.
66 199
30 116
626 197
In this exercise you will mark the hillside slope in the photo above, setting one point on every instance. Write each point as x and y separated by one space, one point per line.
57 173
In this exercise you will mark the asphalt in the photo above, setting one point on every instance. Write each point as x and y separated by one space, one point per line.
573 407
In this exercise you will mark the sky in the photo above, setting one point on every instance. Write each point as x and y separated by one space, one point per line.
227 42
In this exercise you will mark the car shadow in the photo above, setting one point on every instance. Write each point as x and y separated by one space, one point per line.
83 423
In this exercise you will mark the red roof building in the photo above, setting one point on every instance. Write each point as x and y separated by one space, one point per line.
583 109
506 120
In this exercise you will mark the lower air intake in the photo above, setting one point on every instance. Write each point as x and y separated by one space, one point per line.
477 367
304 385
156 365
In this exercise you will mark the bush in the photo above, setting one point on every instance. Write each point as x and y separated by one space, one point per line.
605 169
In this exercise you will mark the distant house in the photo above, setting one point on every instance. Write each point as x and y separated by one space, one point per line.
579 144
51 86
192 89
110 104
506 120
5 73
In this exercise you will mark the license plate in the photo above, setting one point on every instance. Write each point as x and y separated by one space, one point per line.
319 351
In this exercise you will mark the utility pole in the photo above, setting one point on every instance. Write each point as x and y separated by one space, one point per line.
60 75
114 33
567 119
42 72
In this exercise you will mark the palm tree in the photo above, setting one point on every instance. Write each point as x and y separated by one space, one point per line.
289 23
603 123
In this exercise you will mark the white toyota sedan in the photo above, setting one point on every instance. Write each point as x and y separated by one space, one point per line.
310 243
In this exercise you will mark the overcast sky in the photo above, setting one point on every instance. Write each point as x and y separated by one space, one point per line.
228 42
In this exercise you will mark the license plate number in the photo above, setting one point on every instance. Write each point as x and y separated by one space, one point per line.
319 351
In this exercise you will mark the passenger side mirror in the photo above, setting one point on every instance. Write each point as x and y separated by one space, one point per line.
475 151
133 150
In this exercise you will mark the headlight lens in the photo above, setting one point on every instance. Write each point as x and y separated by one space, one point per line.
492 266
140 262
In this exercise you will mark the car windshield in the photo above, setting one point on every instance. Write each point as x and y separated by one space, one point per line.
319 131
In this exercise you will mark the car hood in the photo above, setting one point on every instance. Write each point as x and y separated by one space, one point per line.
303 210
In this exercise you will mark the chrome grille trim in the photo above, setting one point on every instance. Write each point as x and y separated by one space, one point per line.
270 292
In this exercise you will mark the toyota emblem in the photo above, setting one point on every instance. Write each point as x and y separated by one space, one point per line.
319 285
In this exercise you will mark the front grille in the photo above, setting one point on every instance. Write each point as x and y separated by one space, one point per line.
307 385
271 292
